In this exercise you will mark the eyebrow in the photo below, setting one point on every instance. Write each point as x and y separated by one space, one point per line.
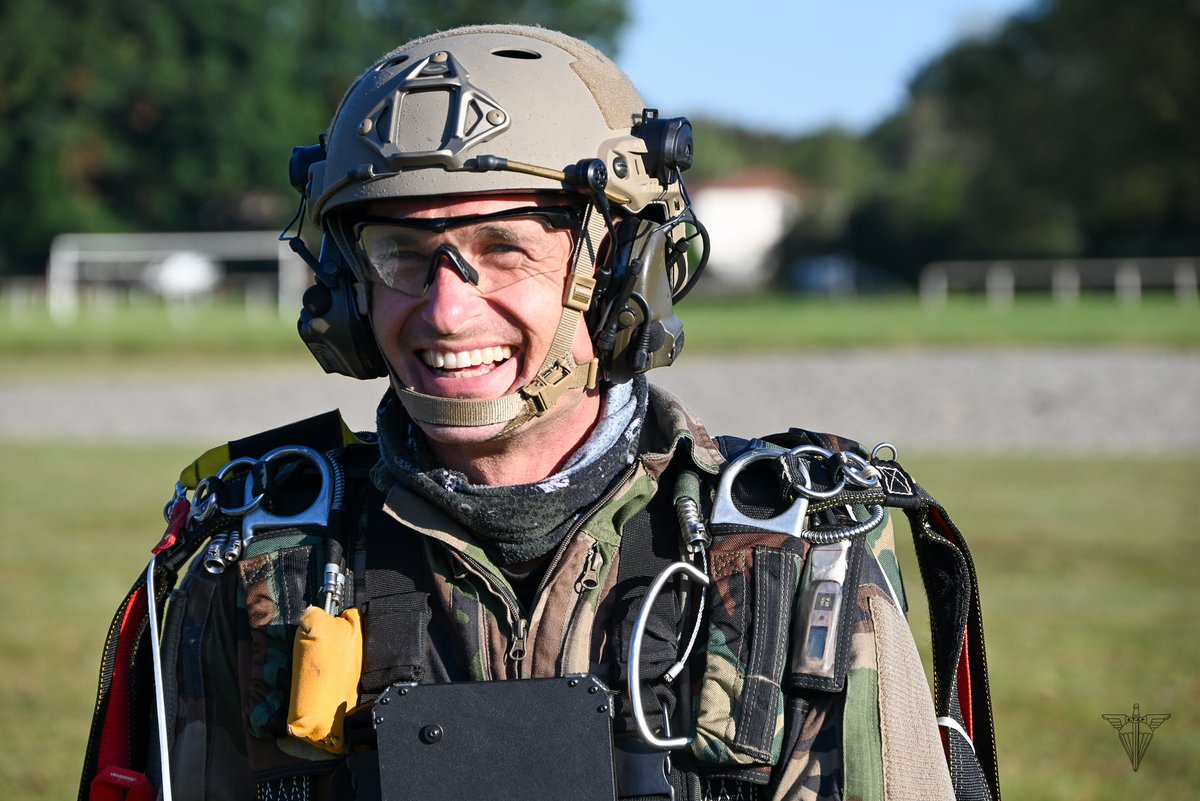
494 230
498 231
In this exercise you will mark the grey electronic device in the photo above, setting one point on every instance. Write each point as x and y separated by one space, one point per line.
815 643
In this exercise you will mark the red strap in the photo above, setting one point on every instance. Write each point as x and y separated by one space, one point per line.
115 780
964 689
179 515
114 734
120 784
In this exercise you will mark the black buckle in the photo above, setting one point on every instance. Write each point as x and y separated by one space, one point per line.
642 770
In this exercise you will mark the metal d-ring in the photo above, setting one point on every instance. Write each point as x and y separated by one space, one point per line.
790 521
875 451
252 499
205 502
635 654
317 514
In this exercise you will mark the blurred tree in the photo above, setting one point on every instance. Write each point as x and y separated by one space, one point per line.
182 115
724 148
1065 133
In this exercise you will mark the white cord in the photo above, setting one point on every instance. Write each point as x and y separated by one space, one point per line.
160 700
951 723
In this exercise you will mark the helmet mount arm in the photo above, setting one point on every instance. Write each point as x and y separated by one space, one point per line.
593 181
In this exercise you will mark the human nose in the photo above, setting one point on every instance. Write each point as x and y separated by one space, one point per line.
449 300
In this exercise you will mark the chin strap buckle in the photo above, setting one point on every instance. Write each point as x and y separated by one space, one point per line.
550 384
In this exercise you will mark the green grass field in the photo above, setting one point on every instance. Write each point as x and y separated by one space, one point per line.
1087 565
1087 568
151 337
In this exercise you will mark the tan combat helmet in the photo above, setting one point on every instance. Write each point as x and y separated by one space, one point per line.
504 108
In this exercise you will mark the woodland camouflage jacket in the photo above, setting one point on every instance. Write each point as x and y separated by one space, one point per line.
229 640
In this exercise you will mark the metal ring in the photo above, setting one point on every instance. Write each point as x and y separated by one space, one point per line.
808 491
859 471
292 450
875 451
204 501
226 470
179 494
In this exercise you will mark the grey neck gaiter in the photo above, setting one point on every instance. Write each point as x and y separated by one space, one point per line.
524 521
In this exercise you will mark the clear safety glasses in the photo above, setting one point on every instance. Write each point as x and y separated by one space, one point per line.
504 247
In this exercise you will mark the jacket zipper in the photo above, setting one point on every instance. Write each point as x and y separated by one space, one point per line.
577 525
593 561
590 578
520 627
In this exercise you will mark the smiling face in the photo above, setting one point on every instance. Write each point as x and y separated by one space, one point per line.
481 336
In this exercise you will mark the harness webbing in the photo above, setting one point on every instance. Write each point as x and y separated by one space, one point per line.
114 767
961 689
396 614
114 764
644 556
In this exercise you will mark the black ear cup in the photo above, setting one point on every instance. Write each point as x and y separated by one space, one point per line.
669 148
338 337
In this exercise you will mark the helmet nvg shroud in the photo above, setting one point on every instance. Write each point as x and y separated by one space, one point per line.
507 108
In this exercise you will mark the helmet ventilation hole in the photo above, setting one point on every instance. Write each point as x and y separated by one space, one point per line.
391 62
509 52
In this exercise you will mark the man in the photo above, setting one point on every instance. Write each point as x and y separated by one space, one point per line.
505 231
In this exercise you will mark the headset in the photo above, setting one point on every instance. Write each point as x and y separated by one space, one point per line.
645 269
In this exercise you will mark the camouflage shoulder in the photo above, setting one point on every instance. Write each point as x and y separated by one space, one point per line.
678 423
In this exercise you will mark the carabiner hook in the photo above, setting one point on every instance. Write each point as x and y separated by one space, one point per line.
635 653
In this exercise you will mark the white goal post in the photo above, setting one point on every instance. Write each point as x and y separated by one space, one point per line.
77 259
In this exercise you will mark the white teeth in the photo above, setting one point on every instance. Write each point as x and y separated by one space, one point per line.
467 358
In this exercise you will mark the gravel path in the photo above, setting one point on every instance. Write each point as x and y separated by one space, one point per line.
1003 400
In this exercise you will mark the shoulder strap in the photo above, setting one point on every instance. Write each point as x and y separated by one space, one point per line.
396 614
123 719
962 695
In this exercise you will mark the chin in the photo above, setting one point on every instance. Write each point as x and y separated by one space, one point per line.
465 435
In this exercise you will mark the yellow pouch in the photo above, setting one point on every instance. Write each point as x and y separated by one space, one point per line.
326 666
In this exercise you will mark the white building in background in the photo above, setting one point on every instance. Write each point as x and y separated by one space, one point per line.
746 214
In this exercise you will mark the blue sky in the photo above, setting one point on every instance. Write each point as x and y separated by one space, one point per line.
792 66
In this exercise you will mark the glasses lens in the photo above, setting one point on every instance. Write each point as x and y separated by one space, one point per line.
405 254
392 259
